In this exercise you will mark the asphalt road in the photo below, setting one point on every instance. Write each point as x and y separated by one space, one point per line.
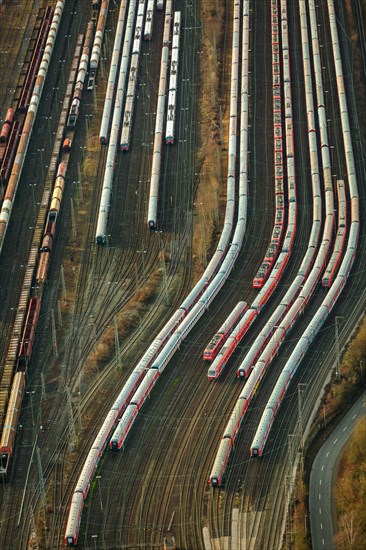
323 477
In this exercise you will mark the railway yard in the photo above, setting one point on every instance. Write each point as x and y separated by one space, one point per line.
105 238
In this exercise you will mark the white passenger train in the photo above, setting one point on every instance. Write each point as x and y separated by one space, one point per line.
337 253
328 303
271 337
112 77
101 232
132 79
152 214
173 81
149 21
177 328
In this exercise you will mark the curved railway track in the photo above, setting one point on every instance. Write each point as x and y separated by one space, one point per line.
160 479
93 269
262 494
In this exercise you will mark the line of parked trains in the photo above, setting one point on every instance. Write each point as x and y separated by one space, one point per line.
259 355
132 79
144 376
171 335
173 82
278 141
159 122
101 232
14 119
137 30
327 305
340 280
28 124
20 348
277 270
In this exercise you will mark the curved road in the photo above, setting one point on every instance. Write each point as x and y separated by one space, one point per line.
321 478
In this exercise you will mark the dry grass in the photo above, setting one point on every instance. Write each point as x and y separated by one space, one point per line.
210 194
82 199
358 75
338 397
350 492
299 527
89 168
73 252
353 35
352 376
128 319
11 18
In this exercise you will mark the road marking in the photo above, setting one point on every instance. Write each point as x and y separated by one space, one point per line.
323 468
323 542
320 481
354 416
321 526
320 511
345 428
320 496
335 441
326 456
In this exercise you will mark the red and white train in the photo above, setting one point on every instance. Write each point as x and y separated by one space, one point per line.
170 337
340 239
275 244
218 340
340 280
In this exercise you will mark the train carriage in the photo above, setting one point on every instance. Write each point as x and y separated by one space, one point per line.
29 332
42 269
262 432
123 427
277 233
6 128
144 389
101 440
87 472
149 21
222 457
73 522
224 331
261 275
233 425
11 421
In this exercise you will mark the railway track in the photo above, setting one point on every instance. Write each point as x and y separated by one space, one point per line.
260 498
127 522
21 16
174 477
